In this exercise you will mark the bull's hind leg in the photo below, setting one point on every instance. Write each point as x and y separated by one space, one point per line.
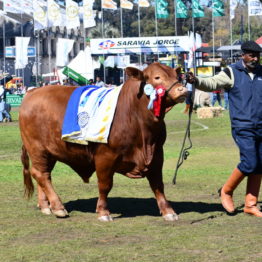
43 203
47 194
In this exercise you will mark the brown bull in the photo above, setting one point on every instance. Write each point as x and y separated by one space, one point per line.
135 146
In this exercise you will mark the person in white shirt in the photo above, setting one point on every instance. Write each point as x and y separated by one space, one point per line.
99 82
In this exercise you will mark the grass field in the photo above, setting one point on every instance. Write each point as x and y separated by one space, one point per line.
203 233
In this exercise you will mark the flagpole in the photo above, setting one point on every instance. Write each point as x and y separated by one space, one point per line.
22 35
156 29
36 49
249 25
85 45
175 51
194 51
121 21
231 39
39 71
4 49
102 17
175 17
213 36
139 33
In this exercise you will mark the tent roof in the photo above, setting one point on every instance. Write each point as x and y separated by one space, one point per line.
229 47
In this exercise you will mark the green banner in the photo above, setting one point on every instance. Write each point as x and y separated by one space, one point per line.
197 9
181 9
218 8
161 9
75 76
14 100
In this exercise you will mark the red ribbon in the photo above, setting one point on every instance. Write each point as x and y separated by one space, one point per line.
160 92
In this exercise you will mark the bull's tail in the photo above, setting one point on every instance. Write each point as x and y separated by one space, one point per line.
28 183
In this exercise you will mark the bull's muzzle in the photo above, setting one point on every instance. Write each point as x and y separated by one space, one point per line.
179 95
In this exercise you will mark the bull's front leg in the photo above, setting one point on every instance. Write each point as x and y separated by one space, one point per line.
105 183
157 186
104 172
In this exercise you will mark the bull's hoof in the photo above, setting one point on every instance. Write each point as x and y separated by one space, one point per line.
170 217
46 211
105 218
60 213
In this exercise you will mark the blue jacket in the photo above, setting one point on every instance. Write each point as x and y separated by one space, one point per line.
245 98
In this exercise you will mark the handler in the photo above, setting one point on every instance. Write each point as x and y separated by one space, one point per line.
243 81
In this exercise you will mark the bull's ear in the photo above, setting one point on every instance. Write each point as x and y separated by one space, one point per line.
178 70
133 72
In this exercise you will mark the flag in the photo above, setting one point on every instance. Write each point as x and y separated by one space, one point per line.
12 6
27 6
109 4
181 9
126 4
54 14
195 42
198 41
72 14
254 7
21 58
88 14
142 3
109 62
233 5
218 8
40 15
63 47
161 9
197 9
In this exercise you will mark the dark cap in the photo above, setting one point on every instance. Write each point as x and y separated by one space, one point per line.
251 46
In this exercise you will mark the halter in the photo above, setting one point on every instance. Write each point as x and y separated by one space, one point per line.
170 88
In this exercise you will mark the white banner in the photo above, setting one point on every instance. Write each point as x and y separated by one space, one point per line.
72 14
88 14
12 6
54 14
143 3
40 15
27 6
126 4
63 47
109 4
233 5
21 58
254 7
138 45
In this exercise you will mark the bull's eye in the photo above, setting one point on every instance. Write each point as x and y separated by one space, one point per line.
157 77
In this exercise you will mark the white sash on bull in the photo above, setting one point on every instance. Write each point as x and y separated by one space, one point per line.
95 115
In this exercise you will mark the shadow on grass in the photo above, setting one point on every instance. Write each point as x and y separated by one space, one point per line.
132 207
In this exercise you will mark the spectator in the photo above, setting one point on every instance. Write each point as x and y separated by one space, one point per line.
216 97
4 108
189 97
99 82
226 105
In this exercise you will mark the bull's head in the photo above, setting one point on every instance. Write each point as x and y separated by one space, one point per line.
156 75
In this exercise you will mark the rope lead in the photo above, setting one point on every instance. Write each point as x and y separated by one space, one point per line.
184 153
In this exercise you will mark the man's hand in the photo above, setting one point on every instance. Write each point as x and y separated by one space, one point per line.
190 78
